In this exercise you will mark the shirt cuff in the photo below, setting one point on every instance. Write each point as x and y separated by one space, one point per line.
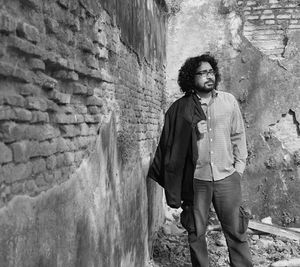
240 167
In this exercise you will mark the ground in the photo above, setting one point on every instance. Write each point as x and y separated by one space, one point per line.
171 247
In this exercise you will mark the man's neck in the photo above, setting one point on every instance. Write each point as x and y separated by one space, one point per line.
204 95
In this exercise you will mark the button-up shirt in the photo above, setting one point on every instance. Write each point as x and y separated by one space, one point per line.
222 150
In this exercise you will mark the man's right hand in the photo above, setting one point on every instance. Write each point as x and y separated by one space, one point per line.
202 127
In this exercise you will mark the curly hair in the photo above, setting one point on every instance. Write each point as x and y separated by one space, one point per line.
187 72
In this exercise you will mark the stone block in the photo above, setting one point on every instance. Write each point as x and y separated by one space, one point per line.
49 178
85 130
7 23
25 46
284 16
6 153
60 160
6 113
66 75
85 44
22 114
47 148
38 116
62 118
51 106
100 38
29 90
40 180
7 70
79 89
94 101
35 4
81 109
51 162
10 131
41 132
17 188
94 110
101 53
69 158
15 172
78 156
28 32
92 62
36 64
69 130
269 16
59 97
46 81
92 118
21 151
36 103
64 3
52 26
38 166
13 100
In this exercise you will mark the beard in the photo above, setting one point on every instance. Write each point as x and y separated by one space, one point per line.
208 87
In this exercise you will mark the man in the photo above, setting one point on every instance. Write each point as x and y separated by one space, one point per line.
200 160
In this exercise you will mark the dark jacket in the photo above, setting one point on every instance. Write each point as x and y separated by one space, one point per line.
175 159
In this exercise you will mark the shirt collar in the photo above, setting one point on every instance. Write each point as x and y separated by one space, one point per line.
214 94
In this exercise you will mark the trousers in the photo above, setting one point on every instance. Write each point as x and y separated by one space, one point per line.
226 197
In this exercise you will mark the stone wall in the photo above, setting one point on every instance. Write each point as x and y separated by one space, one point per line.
81 97
268 23
267 91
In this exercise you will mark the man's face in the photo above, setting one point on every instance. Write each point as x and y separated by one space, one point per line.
205 78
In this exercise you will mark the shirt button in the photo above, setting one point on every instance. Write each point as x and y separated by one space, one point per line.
212 163
211 139
210 129
211 152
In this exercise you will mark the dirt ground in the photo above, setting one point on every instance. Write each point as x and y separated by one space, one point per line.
171 247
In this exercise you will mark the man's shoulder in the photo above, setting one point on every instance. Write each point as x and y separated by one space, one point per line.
226 95
182 101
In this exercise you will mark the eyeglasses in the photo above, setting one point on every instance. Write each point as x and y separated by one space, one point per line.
206 73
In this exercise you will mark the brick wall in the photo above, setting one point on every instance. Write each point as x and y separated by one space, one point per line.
268 23
63 68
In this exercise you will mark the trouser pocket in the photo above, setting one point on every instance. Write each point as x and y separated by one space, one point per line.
244 217
187 218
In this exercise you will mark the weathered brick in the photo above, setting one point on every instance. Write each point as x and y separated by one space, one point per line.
66 75
47 82
69 130
7 23
6 113
13 100
52 26
60 160
82 142
64 3
102 53
92 118
59 97
270 16
49 178
94 101
69 158
28 32
92 62
21 151
85 44
22 114
41 132
25 46
47 148
57 175
40 180
81 109
35 4
51 106
68 119
84 129
79 89
284 16
51 162
28 90
17 188
10 131
78 156
94 110
36 64
38 165
100 38
38 116
6 153
36 103
15 172
30 187
8 70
